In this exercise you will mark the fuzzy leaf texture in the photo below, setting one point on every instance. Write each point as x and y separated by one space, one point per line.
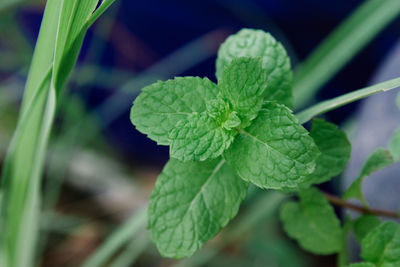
206 135
275 151
242 84
161 105
199 137
378 160
335 151
364 224
276 63
190 204
394 145
313 223
382 245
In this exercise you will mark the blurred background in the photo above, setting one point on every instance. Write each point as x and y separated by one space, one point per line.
100 170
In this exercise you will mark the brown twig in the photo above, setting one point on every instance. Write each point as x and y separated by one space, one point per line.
339 202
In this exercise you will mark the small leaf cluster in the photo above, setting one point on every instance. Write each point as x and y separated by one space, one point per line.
223 136
314 224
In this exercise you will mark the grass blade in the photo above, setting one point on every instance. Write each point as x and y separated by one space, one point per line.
339 101
20 188
100 10
132 251
341 46
62 30
118 239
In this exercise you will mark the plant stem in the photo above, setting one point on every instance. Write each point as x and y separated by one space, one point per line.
342 100
339 202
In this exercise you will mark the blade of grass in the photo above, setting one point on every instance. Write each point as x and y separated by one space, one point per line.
62 31
129 255
71 31
336 102
117 239
100 10
20 198
341 46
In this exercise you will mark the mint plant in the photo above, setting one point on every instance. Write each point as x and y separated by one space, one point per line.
379 159
224 136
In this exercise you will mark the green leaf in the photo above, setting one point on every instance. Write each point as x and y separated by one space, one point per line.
364 224
379 159
394 145
258 44
398 100
242 84
275 151
190 204
199 137
313 223
382 245
362 264
335 151
161 105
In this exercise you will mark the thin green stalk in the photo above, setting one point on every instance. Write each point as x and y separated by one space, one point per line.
341 46
339 101
117 239
129 255
343 257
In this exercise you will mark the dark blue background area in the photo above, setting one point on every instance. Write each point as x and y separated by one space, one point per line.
160 27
